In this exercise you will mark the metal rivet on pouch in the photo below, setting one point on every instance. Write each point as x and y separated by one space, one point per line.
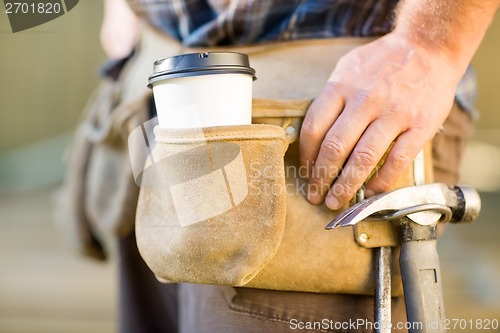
290 130
363 238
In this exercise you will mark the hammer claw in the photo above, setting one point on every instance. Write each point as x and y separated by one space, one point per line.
393 201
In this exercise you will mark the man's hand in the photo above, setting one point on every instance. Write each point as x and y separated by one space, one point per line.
387 91
393 93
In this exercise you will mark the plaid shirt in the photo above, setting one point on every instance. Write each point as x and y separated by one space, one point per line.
237 22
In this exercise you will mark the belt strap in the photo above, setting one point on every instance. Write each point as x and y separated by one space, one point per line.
272 108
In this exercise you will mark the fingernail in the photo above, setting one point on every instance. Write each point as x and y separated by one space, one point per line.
332 202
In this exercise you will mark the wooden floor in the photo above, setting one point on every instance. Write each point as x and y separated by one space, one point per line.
45 287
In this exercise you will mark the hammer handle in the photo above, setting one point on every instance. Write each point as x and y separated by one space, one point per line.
419 263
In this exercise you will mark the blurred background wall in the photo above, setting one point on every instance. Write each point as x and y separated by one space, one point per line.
46 75
487 65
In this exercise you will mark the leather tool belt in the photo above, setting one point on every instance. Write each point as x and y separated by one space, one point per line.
222 205
226 205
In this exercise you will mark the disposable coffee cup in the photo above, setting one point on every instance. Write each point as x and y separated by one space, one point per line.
203 89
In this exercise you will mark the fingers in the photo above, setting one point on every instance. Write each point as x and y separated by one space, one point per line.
319 119
379 94
334 151
362 161
341 161
399 159
329 152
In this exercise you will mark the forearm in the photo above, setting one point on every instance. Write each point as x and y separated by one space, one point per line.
119 29
454 28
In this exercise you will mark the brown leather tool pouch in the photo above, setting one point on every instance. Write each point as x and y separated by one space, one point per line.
226 206
99 195
212 203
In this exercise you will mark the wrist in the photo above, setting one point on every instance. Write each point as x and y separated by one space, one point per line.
455 53
431 57
451 28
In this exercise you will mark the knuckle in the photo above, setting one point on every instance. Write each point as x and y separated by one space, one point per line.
367 95
320 181
365 157
379 184
340 190
331 90
420 121
343 191
333 148
308 127
394 110
399 160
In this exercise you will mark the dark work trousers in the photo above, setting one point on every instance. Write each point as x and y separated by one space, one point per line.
145 305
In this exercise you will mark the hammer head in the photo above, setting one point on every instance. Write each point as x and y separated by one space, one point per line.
463 202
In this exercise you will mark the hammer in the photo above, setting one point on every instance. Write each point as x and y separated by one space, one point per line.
416 212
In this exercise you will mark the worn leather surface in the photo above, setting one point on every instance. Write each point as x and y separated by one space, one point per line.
212 207
311 258
302 255
99 194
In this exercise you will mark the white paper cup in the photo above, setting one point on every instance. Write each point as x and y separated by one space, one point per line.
203 89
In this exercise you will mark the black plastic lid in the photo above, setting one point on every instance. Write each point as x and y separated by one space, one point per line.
193 64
